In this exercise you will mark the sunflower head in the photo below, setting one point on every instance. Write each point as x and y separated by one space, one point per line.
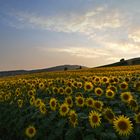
32 100
96 80
38 102
113 88
116 80
94 119
69 101
105 80
109 114
20 103
90 102
55 90
98 91
31 93
80 85
127 79
41 86
123 86
110 94
88 86
133 104
98 105
123 125
43 109
80 101
126 97
64 109
73 118
68 90
61 91
137 86
75 84
30 131
79 94
53 104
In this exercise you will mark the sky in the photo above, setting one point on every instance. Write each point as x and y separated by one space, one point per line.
38 34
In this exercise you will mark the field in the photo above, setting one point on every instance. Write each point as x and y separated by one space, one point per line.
88 104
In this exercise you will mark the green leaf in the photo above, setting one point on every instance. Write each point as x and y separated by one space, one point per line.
72 134
89 137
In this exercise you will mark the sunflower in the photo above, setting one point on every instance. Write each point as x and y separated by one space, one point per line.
18 92
32 100
127 79
123 86
69 101
116 80
110 94
68 90
53 104
96 80
126 97
90 102
123 125
137 118
38 102
20 103
80 101
30 131
69 83
75 84
109 114
88 86
43 109
61 90
105 80
94 119
64 109
73 118
113 88
98 105
98 91
41 86
133 104
79 84
79 94
55 90
31 93
137 86
111 80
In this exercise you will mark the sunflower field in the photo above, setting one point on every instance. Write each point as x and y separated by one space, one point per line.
87 104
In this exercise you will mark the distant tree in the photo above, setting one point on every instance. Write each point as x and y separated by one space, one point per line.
80 67
65 69
122 60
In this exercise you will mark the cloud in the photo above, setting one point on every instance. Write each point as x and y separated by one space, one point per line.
97 19
83 52
135 35
111 51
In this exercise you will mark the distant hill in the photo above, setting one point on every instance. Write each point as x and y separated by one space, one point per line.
123 62
56 68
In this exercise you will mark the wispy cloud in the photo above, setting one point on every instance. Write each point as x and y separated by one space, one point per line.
109 53
84 52
97 19
135 35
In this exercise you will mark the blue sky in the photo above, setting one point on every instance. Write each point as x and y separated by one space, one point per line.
44 33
